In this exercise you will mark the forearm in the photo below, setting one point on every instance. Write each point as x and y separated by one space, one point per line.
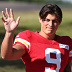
6 47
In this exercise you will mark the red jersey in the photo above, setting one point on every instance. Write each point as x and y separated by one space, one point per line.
43 55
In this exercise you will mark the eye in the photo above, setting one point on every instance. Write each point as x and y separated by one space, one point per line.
54 21
47 20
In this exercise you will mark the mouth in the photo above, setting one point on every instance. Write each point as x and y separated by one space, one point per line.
48 28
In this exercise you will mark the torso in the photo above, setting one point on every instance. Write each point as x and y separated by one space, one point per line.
46 55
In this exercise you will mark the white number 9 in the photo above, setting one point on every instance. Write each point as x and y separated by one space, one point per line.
56 61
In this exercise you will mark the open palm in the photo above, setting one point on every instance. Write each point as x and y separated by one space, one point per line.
9 23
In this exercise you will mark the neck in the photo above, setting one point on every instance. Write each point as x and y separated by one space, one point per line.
48 36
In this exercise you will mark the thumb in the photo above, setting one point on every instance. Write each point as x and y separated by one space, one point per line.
18 19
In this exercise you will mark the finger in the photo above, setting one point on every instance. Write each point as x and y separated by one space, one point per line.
11 13
4 15
7 12
18 19
2 19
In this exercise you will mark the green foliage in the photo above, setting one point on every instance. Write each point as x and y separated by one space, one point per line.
42 1
54 1
32 1
11 66
11 0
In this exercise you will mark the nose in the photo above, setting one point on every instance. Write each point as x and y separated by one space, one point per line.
50 23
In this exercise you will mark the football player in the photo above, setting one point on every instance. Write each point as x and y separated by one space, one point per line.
42 51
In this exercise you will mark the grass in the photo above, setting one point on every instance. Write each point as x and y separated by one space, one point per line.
29 21
11 66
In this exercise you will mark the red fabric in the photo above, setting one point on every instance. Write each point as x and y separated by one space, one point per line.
45 53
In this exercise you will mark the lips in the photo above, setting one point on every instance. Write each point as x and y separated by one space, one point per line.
48 28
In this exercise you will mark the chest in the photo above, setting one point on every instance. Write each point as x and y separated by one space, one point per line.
51 51
53 56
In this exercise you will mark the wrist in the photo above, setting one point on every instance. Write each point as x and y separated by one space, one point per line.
9 34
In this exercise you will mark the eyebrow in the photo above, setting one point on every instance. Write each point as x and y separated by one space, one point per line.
49 19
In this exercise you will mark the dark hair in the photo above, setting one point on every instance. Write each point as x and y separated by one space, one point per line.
51 9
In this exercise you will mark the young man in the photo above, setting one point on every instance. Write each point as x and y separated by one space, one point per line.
42 51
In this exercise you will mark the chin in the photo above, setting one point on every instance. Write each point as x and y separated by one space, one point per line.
49 33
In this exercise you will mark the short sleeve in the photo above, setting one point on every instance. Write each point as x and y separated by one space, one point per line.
23 40
70 52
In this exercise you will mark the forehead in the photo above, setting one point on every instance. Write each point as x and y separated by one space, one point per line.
51 16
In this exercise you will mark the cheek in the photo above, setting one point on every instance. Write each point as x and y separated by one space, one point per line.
56 26
43 25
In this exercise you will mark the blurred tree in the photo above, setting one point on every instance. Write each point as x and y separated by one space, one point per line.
54 1
11 0
34 1
43 1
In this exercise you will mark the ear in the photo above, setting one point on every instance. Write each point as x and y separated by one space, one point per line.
40 20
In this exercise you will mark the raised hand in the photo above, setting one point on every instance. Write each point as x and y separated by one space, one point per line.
9 23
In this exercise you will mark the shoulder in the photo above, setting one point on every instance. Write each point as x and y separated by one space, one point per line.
23 39
26 33
63 36
64 39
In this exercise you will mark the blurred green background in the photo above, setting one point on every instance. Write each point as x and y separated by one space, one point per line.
29 12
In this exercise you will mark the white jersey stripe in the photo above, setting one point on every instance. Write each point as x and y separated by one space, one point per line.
70 54
25 42
64 46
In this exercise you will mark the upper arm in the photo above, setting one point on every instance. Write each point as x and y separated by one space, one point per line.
68 67
18 52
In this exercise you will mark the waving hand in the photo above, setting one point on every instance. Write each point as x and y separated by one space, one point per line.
9 23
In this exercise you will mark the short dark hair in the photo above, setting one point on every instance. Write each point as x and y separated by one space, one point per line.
51 9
